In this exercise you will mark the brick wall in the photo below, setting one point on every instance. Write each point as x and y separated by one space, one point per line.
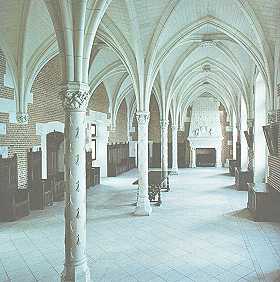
120 134
5 92
274 161
46 107
99 100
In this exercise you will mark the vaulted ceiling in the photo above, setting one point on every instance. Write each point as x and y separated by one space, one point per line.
178 49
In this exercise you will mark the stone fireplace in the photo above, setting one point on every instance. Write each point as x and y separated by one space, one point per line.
205 135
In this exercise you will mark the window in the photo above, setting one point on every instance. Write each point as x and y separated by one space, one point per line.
93 130
93 149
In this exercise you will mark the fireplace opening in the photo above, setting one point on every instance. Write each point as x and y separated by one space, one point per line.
205 157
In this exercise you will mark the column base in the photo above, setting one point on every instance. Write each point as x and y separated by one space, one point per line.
192 166
174 171
76 273
219 165
143 208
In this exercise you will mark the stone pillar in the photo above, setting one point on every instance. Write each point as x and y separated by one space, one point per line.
174 149
143 203
250 124
75 98
164 144
234 140
218 156
193 158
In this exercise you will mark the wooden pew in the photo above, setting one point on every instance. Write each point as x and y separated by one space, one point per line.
118 160
14 202
242 178
263 202
232 165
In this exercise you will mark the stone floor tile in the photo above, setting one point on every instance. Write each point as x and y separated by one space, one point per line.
202 232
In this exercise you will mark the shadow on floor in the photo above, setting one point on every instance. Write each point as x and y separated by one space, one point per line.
109 217
231 187
219 174
244 213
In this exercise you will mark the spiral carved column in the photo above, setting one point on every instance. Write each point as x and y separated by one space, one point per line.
143 203
75 99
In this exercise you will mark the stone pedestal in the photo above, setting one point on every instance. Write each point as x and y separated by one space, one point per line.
143 203
174 149
75 99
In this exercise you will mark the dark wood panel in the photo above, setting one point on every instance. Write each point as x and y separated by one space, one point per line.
118 160
14 202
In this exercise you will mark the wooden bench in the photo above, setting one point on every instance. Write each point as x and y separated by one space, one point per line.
156 184
232 165
263 202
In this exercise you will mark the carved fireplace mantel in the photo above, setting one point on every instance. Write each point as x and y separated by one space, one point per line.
205 129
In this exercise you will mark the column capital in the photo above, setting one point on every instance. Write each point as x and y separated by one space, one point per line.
174 127
164 123
143 118
250 122
22 118
271 116
75 96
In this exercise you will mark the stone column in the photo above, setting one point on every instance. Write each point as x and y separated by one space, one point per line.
234 140
218 156
193 158
143 203
75 98
164 144
250 124
174 149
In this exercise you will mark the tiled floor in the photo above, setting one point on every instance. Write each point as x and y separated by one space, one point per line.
200 233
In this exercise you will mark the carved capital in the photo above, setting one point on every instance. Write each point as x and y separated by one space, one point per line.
143 118
22 118
271 116
164 123
174 127
250 122
75 96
